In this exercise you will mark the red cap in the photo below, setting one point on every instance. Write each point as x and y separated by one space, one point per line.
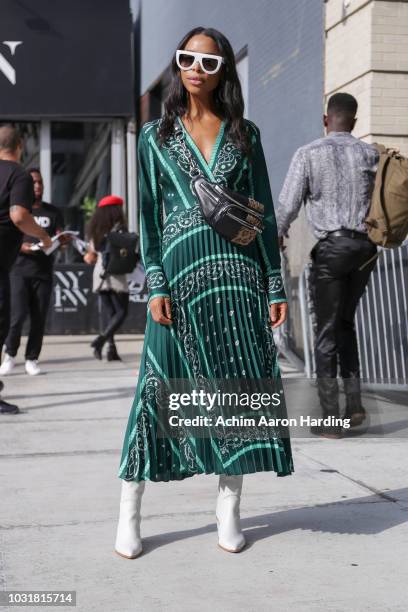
110 200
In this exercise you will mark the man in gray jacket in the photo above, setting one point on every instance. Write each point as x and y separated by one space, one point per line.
334 177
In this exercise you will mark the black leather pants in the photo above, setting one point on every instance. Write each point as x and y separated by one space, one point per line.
337 286
114 310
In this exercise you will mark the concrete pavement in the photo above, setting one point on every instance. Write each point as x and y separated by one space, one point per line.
331 537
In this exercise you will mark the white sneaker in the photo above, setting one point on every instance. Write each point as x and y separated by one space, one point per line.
8 365
32 368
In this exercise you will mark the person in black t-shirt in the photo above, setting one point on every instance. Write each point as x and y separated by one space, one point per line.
16 200
31 285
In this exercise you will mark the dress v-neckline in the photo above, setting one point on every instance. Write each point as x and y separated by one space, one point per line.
207 164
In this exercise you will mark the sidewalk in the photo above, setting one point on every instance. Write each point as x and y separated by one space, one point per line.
331 537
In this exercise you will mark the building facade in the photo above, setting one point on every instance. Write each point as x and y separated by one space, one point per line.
80 87
70 91
67 82
366 54
291 57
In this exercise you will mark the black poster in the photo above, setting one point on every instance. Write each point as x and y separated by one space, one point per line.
74 309
65 58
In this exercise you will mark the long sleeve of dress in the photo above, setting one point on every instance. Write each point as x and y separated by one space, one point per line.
268 240
151 228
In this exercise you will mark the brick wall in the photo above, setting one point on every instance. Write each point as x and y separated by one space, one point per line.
367 55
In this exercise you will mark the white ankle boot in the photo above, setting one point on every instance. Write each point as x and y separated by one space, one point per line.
230 536
128 542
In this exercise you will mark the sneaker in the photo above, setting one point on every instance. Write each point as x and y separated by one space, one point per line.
32 368
6 408
8 365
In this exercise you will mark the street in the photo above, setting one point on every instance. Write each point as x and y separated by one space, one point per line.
331 537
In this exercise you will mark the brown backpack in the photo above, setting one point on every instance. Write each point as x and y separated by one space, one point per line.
387 219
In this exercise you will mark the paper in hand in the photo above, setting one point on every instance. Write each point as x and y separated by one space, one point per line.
55 242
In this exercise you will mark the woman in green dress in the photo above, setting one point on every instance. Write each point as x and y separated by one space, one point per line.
212 304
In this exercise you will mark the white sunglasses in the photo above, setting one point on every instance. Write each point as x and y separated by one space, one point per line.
209 63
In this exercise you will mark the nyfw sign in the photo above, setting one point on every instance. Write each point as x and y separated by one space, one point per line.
69 294
75 309
6 67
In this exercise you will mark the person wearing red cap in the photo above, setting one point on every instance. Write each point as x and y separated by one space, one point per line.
110 200
113 290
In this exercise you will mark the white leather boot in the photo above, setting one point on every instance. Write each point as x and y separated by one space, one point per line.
230 536
128 542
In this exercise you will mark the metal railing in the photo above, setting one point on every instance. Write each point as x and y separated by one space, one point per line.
381 321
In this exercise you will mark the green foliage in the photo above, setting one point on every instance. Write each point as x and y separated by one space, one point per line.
88 207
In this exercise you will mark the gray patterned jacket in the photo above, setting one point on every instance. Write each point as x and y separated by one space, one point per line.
334 177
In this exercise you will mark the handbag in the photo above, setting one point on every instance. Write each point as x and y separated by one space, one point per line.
236 217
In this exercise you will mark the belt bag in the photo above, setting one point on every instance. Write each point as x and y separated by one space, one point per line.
236 217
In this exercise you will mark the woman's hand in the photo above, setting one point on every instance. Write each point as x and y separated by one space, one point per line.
90 257
278 312
161 310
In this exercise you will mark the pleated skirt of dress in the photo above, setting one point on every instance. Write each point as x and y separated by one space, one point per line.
221 330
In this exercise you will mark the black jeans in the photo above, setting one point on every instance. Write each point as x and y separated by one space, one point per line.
10 241
337 286
114 312
4 305
29 296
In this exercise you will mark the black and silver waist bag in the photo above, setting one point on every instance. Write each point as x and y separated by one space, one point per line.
236 217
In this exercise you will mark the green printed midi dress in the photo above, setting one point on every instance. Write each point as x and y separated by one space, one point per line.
220 295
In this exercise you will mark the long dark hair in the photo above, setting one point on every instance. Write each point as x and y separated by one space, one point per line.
102 222
228 99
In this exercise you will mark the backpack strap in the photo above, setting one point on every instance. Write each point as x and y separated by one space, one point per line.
386 218
368 260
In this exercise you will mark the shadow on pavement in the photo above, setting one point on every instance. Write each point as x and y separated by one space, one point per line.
351 516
